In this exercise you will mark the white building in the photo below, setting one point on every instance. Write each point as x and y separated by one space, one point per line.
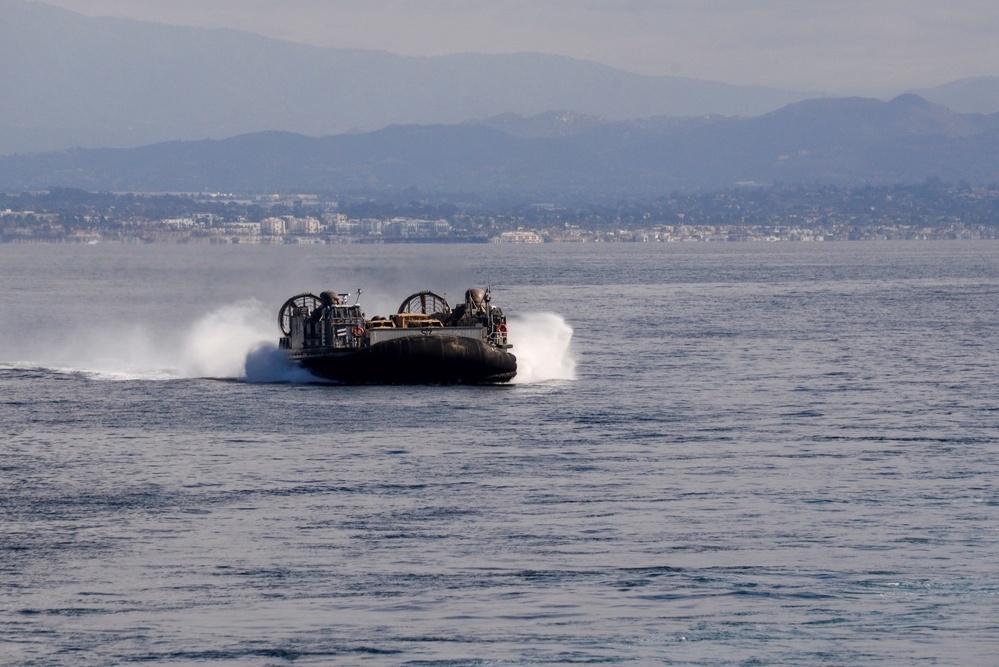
273 227
519 236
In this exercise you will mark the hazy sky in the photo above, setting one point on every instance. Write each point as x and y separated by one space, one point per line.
836 46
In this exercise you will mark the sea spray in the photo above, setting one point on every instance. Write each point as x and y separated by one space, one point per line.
267 363
238 341
131 351
217 345
235 341
220 343
541 342
127 351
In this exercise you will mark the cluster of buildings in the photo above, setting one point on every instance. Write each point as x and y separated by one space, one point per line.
927 212
776 233
337 228
31 227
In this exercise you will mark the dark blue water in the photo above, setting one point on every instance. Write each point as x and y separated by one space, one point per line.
725 454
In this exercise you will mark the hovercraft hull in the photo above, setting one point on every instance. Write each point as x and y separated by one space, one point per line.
419 359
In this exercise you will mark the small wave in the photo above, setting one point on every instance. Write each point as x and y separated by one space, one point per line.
57 369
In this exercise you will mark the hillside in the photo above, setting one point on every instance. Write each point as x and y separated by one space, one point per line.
77 81
842 141
979 94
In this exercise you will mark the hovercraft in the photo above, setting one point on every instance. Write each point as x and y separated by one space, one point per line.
425 342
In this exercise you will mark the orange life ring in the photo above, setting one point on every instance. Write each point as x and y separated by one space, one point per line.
357 331
501 328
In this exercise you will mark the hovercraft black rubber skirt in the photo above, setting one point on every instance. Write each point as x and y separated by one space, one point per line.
435 359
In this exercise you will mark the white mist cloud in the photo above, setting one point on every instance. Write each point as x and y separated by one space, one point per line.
218 345
542 345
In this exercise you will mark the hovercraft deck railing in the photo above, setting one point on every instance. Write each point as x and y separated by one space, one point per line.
311 323
376 336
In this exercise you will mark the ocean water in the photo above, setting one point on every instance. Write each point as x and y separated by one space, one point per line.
731 454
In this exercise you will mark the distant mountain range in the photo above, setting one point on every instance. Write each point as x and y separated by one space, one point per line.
979 94
127 105
558 156
76 81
